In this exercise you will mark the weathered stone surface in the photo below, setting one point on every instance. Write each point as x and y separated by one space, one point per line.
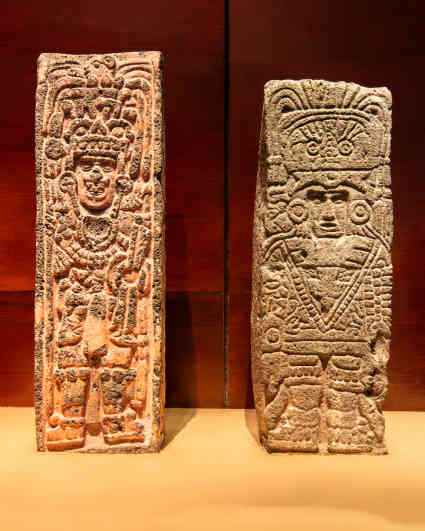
321 311
100 284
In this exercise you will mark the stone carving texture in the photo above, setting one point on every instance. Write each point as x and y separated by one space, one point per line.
321 312
99 300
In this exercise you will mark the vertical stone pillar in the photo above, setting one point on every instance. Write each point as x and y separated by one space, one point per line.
321 307
100 280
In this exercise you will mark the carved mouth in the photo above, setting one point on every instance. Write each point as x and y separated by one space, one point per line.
97 195
329 226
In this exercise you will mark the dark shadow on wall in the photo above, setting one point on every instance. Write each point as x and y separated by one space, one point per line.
181 386
180 376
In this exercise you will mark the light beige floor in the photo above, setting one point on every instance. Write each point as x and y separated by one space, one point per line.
213 476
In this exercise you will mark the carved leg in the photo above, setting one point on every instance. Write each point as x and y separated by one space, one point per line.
299 426
124 317
67 424
72 323
348 429
120 422
371 411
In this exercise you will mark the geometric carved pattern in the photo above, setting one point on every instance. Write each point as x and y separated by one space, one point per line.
322 274
99 300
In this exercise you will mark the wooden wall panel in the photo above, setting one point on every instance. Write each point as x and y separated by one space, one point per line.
371 43
17 220
17 352
191 36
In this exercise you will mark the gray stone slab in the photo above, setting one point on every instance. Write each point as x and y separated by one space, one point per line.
322 273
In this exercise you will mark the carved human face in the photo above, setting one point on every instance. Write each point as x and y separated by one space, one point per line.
328 211
96 182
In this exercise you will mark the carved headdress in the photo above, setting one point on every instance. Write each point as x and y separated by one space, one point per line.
326 133
94 111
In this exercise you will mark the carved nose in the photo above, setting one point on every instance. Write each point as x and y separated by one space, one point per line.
96 175
328 214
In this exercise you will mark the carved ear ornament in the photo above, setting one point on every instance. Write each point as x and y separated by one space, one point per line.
67 182
297 210
360 211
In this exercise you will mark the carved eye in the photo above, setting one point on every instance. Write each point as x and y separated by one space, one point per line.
316 196
118 131
345 147
86 166
340 197
80 131
313 148
106 166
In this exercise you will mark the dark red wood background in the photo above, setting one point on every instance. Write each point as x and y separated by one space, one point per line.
214 77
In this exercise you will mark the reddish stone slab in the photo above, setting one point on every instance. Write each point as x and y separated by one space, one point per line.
100 279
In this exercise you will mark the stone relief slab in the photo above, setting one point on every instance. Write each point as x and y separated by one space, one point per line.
322 274
100 279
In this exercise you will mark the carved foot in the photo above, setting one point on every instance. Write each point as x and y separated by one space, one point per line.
67 434
349 432
298 431
123 427
124 340
350 440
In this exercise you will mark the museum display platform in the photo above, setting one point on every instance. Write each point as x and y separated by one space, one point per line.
211 475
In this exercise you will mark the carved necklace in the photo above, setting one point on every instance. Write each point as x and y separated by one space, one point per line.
97 233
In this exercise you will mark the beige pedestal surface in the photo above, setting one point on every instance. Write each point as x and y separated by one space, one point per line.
212 475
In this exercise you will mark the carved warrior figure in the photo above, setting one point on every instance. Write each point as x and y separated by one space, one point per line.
321 312
99 299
